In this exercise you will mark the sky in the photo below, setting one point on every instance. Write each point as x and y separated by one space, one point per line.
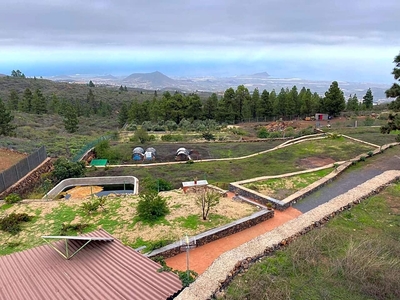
345 40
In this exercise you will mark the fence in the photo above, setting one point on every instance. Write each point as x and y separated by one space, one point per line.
78 156
22 168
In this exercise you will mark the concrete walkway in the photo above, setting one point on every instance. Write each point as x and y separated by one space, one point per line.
350 179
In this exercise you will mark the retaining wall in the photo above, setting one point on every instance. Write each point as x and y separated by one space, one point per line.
215 234
28 182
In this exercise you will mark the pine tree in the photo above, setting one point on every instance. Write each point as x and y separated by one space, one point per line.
394 91
334 101
368 99
26 104
70 119
13 100
6 128
39 103
123 115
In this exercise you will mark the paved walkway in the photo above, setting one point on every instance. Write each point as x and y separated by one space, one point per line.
202 257
389 160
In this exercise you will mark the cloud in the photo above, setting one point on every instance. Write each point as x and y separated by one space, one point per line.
307 31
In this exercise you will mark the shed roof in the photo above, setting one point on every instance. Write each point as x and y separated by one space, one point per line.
99 271
99 162
192 183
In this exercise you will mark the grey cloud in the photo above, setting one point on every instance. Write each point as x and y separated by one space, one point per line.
210 23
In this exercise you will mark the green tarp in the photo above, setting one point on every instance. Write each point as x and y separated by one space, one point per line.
98 162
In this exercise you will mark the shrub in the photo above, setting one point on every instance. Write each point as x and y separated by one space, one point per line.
362 158
12 198
369 121
370 153
275 134
262 133
12 222
67 228
93 205
172 138
208 136
64 169
152 207
398 138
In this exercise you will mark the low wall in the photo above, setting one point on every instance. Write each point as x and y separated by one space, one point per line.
215 234
85 181
26 184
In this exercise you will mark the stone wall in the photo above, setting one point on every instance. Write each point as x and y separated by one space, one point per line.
216 233
28 183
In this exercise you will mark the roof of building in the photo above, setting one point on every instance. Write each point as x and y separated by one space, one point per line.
99 162
104 269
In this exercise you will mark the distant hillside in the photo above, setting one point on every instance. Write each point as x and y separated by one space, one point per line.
149 80
3 75
71 91
261 75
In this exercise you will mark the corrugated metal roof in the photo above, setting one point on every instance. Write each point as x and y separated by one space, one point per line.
99 271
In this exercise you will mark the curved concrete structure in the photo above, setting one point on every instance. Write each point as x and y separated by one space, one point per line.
71 182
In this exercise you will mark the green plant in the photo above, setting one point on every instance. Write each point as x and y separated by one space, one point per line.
362 158
370 153
12 198
11 223
262 133
208 136
152 207
206 200
93 205
67 228
64 169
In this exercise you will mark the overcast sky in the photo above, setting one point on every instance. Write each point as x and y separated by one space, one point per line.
354 40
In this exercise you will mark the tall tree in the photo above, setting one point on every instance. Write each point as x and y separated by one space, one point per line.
211 106
6 128
39 103
70 119
264 107
352 103
26 104
334 101
242 96
13 100
17 74
91 84
227 111
194 108
394 91
368 99
123 115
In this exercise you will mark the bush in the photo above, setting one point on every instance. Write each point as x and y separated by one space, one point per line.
208 136
12 198
172 138
67 228
91 206
398 138
362 158
370 153
64 169
262 133
369 121
152 207
12 222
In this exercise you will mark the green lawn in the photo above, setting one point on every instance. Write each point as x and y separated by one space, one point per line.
355 256
277 162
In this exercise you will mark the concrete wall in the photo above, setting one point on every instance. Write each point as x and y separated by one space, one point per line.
85 181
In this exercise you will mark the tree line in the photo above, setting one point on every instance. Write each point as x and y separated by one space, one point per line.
238 105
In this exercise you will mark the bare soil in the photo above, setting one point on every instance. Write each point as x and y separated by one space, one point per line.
314 162
9 158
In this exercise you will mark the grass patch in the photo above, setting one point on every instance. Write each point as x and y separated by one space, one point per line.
355 256
280 188
277 162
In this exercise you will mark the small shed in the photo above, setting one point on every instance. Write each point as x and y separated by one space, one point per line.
99 162
321 117
182 154
138 154
150 153
192 185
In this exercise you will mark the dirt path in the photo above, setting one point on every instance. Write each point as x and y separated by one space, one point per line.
202 257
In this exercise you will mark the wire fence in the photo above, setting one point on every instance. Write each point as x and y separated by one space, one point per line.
22 168
78 156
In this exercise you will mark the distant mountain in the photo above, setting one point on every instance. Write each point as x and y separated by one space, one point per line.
149 80
260 75
3 75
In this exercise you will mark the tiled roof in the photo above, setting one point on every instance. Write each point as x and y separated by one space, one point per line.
101 270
